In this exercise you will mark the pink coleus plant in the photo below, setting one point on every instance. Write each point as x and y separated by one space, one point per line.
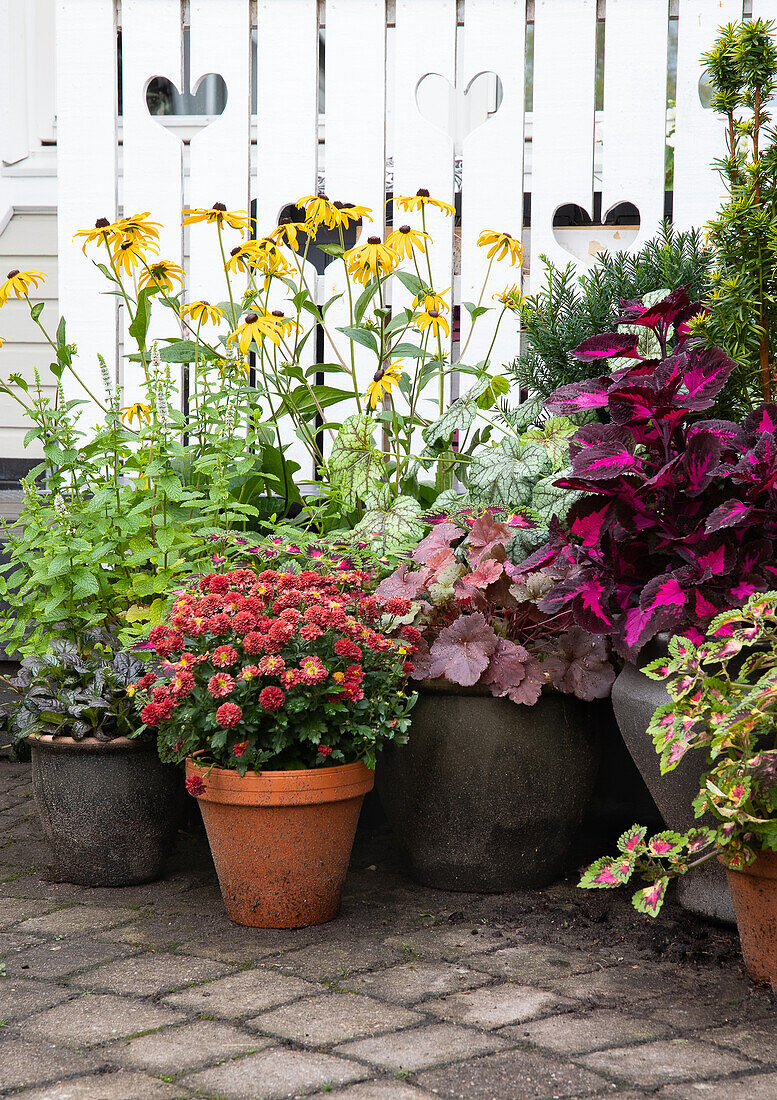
474 620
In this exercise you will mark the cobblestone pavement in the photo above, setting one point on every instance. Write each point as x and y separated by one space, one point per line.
150 992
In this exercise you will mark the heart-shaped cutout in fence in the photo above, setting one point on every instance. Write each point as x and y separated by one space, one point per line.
455 110
206 101
583 238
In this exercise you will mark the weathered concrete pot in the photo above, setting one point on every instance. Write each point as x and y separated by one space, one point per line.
109 809
635 698
487 795
754 893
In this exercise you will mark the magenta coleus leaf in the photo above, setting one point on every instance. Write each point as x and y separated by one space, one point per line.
579 396
632 840
607 873
667 843
731 513
608 345
651 898
607 460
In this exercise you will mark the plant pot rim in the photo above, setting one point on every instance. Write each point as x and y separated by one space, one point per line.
47 743
303 786
441 686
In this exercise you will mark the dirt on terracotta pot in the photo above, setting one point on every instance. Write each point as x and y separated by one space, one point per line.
754 894
281 841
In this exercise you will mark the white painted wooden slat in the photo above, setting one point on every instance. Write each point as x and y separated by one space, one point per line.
287 129
220 42
492 171
699 136
14 140
424 43
355 155
153 174
87 179
634 121
563 120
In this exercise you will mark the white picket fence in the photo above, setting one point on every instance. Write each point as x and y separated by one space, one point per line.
382 107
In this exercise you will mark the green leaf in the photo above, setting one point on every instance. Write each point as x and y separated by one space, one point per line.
458 417
499 475
495 388
397 522
332 249
61 338
410 351
138 330
36 310
410 282
185 351
475 311
364 299
356 465
359 335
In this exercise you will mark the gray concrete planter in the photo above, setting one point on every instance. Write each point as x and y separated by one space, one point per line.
110 810
487 795
635 697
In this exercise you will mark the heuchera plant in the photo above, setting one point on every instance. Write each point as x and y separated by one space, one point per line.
723 701
473 620
276 669
678 512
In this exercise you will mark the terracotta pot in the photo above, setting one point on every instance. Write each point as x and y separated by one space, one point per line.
110 810
281 841
754 893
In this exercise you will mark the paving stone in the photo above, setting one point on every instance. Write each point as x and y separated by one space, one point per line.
28 1063
761 1087
754 1040
421 1047
412 982
335 961
448 943
150 973
57 960
530 963
495 1006
76 919
20 998
512 1075
613 985
177 1049
121 1085
243 994
13 910
658 1063
11 941
333 1018
573 1033
375 1090
95 1018
690 1015
279 1073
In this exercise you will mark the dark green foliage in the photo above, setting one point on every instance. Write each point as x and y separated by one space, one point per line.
569 308
74 691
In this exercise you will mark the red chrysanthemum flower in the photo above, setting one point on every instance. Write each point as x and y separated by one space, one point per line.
355 673
271 698
228 715
312 670
411 634
272 665
151 714
369 608
239 748
254 642
243 622
250 672
310 632
209 605
291 677
397 606
344 647
186 660
220 685
157 633
183 683
325 750
195 785
224 656
147 681
408 667
219 624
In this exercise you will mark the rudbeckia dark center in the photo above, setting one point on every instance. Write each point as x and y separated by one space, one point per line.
373 240
251 318
422 193
101 223
404 229
278 313
284 221
378 375
235 251
219 206
12 273
434 313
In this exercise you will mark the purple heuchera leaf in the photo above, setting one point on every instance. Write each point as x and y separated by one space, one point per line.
474 584
485 534
577 663
402 583
441 536
462 651
608 345
515 673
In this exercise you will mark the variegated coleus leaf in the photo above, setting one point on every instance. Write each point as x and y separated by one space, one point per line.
737 856
607 873
665 844
632 841
697 839
650 899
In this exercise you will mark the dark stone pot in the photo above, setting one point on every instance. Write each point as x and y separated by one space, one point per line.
109 809
487 795
635 697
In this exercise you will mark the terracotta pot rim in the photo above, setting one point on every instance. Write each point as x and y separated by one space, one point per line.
765 866
47 743
279 788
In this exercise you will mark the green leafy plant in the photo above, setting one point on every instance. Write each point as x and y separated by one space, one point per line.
742 319
723 702
568 308
74 691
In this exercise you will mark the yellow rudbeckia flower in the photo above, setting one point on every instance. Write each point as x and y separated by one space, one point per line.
432 319
2 341
135 227
287 232
422 199
161 274
405 239
255 329
511 296
501 244
383 382
18 283
201 313
137 411
370 260
128 255
318 210
346 212
431 300
284 324
218 213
